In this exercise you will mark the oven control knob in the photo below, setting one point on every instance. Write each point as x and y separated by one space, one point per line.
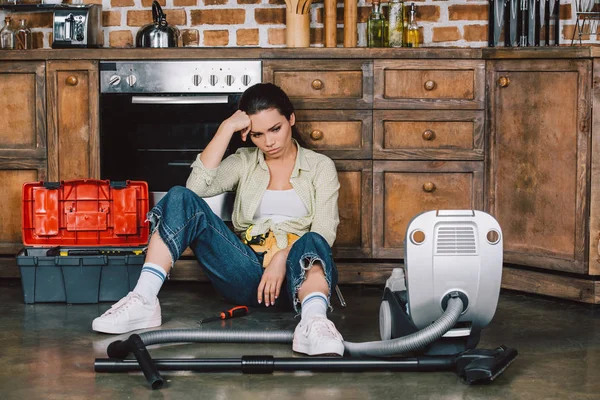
114 80
197 80
229 79
246 80
131 80
213 80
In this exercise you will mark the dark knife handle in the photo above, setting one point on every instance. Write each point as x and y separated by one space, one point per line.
547 22
491 24
537 24
556 22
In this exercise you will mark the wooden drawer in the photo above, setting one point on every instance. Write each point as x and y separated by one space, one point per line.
429 84
444 135
343 134
403 189
355 207
318 84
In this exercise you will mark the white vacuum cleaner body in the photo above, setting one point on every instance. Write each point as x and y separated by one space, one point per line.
447 252
453 251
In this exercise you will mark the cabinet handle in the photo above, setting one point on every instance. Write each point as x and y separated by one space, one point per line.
72 80
316 135
503 81
428 187
429 85
428 135
317 84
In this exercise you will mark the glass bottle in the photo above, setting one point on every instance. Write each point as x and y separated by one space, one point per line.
396 23
23 36
412 35
7 35
375 26
386 36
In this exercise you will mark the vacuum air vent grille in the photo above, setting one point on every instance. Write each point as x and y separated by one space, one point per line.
457 240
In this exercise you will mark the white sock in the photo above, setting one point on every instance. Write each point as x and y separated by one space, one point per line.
314 305
150 282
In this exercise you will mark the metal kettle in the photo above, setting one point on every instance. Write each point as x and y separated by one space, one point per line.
158 33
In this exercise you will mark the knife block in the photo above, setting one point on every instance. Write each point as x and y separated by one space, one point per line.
297 23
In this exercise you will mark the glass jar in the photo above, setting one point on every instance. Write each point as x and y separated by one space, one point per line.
23 36
396 23
7 36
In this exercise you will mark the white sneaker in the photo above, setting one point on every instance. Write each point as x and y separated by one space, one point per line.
317 336
128 314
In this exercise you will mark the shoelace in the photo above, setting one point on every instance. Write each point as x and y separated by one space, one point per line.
323 327
123 304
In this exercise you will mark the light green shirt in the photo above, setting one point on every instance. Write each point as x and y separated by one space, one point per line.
314 178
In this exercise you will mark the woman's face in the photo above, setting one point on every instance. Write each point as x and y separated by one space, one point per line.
271 132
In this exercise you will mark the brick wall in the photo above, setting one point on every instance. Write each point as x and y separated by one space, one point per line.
460 23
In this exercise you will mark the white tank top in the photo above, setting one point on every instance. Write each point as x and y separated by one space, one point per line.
280 205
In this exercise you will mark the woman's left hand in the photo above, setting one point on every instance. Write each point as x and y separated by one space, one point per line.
272 279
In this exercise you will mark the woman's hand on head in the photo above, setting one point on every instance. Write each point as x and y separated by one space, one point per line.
239 122
272 279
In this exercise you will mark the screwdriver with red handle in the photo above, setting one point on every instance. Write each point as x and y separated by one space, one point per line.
238 311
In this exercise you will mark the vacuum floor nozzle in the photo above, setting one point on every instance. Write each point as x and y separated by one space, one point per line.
482 365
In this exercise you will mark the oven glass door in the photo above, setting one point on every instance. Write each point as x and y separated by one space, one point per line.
155 138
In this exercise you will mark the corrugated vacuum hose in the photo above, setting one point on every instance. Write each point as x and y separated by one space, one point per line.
472 365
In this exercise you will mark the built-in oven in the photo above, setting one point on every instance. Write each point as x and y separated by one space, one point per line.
156 116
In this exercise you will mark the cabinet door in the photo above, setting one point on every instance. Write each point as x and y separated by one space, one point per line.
73 142
404 189
355 207
22 143
538 157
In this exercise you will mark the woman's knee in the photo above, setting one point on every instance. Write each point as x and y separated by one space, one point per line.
180 195
316 241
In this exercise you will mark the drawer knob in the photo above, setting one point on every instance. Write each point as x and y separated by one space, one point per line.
503 81
316 135
428 187
428 135
429 85
72 80
317 84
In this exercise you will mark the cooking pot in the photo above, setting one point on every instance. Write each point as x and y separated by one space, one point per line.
158 33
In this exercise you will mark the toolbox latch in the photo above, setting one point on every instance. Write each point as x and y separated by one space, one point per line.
51 185
118 184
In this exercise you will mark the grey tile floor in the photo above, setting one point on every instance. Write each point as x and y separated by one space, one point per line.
47 351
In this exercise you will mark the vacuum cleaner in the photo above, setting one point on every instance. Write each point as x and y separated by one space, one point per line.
431 315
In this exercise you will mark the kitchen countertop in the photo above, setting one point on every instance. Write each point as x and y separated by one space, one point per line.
300 53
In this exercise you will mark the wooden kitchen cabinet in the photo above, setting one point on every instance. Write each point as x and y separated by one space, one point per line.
22 142
537 172
73 127
404 189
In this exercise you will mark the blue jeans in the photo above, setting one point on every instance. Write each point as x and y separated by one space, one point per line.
184 219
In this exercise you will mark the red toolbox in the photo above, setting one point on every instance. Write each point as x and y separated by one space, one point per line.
84 239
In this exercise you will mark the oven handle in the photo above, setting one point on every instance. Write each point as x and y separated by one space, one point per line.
179 100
